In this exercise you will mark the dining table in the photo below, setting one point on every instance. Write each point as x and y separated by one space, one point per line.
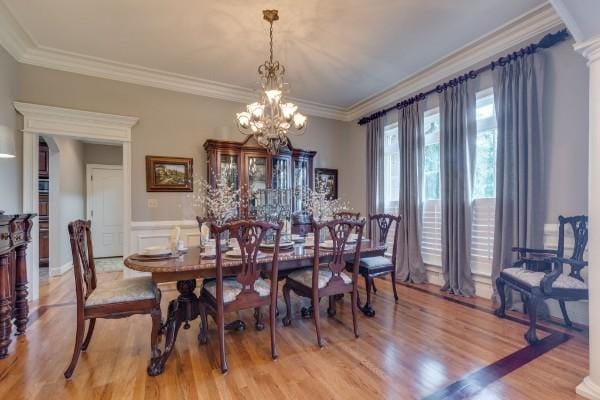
185 268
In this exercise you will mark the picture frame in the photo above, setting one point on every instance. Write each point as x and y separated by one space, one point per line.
169 174
330 177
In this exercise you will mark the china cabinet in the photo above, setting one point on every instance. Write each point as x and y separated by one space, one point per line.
247 165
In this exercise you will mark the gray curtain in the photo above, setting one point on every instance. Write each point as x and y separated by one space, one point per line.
410 140
458 132
375 160
519 161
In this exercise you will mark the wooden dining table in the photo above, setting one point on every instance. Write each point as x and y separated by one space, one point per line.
192 265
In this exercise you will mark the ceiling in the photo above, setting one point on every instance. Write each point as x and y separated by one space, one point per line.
336 52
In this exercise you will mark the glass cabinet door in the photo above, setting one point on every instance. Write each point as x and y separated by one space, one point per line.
281 174
228 167
301 182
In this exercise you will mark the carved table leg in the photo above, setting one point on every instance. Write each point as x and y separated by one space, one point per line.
181 310
5 307
21 305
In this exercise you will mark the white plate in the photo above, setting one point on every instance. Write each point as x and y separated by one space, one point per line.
155 251
237 253
286 243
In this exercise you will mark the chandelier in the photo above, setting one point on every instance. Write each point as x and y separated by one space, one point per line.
271 118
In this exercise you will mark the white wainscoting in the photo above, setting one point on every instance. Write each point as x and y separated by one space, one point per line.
158 233
578 311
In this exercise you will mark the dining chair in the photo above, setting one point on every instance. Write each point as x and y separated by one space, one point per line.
246 289
113 299
373 267
327 278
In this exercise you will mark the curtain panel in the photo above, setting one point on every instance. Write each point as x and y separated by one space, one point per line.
520 207
410 265
458 132
375 167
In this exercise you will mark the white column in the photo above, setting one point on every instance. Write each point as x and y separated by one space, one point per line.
127 200
30 205
590 387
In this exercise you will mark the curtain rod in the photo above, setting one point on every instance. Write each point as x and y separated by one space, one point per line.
546 42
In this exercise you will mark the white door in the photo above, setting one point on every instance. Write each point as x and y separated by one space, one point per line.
105 209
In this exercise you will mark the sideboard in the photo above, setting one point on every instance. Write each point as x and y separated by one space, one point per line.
15 234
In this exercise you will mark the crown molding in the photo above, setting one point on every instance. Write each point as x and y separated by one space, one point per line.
16 40
590 49
535 22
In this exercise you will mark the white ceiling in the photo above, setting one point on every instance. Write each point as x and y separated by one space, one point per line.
336 52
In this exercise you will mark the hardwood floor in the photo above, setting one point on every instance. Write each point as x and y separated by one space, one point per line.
423 347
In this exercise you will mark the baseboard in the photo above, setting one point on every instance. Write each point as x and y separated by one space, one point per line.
588 389
56 271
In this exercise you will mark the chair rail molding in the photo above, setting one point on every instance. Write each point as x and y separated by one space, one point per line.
40 120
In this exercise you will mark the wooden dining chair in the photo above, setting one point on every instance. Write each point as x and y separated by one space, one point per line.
244 290
114 299
327 279
373 267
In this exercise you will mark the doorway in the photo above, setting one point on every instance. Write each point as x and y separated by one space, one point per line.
105 208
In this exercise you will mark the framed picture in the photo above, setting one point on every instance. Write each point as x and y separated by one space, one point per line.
169 174
329 178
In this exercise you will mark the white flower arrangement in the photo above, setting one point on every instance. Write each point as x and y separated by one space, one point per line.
220 203
319 206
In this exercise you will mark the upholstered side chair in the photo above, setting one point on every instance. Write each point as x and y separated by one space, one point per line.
246 289
113 299
537 285
328 279
373 267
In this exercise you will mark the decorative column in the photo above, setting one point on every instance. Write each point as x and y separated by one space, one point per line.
590 387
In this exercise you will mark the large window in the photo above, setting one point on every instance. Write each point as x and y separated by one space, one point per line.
484 185
391 168
431 236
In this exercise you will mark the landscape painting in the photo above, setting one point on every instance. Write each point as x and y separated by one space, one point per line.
169 174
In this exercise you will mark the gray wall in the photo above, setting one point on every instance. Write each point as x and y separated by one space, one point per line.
71 204
102 154
171 124
565 124
10 168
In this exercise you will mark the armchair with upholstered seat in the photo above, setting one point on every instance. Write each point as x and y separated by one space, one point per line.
535 283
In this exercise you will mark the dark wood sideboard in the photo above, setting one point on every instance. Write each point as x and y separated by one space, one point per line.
15 234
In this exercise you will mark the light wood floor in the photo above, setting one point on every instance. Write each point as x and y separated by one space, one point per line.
409 350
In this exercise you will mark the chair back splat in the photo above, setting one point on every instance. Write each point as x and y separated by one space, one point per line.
579 228
383 224
83 260
339 231
249 236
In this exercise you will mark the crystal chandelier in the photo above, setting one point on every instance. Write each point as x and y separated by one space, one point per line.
271 118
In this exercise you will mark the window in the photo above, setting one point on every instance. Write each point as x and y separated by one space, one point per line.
391 169
431 242
484 185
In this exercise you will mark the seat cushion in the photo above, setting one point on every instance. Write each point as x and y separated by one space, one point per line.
123 291
304 276
231 288
532 278
375 262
